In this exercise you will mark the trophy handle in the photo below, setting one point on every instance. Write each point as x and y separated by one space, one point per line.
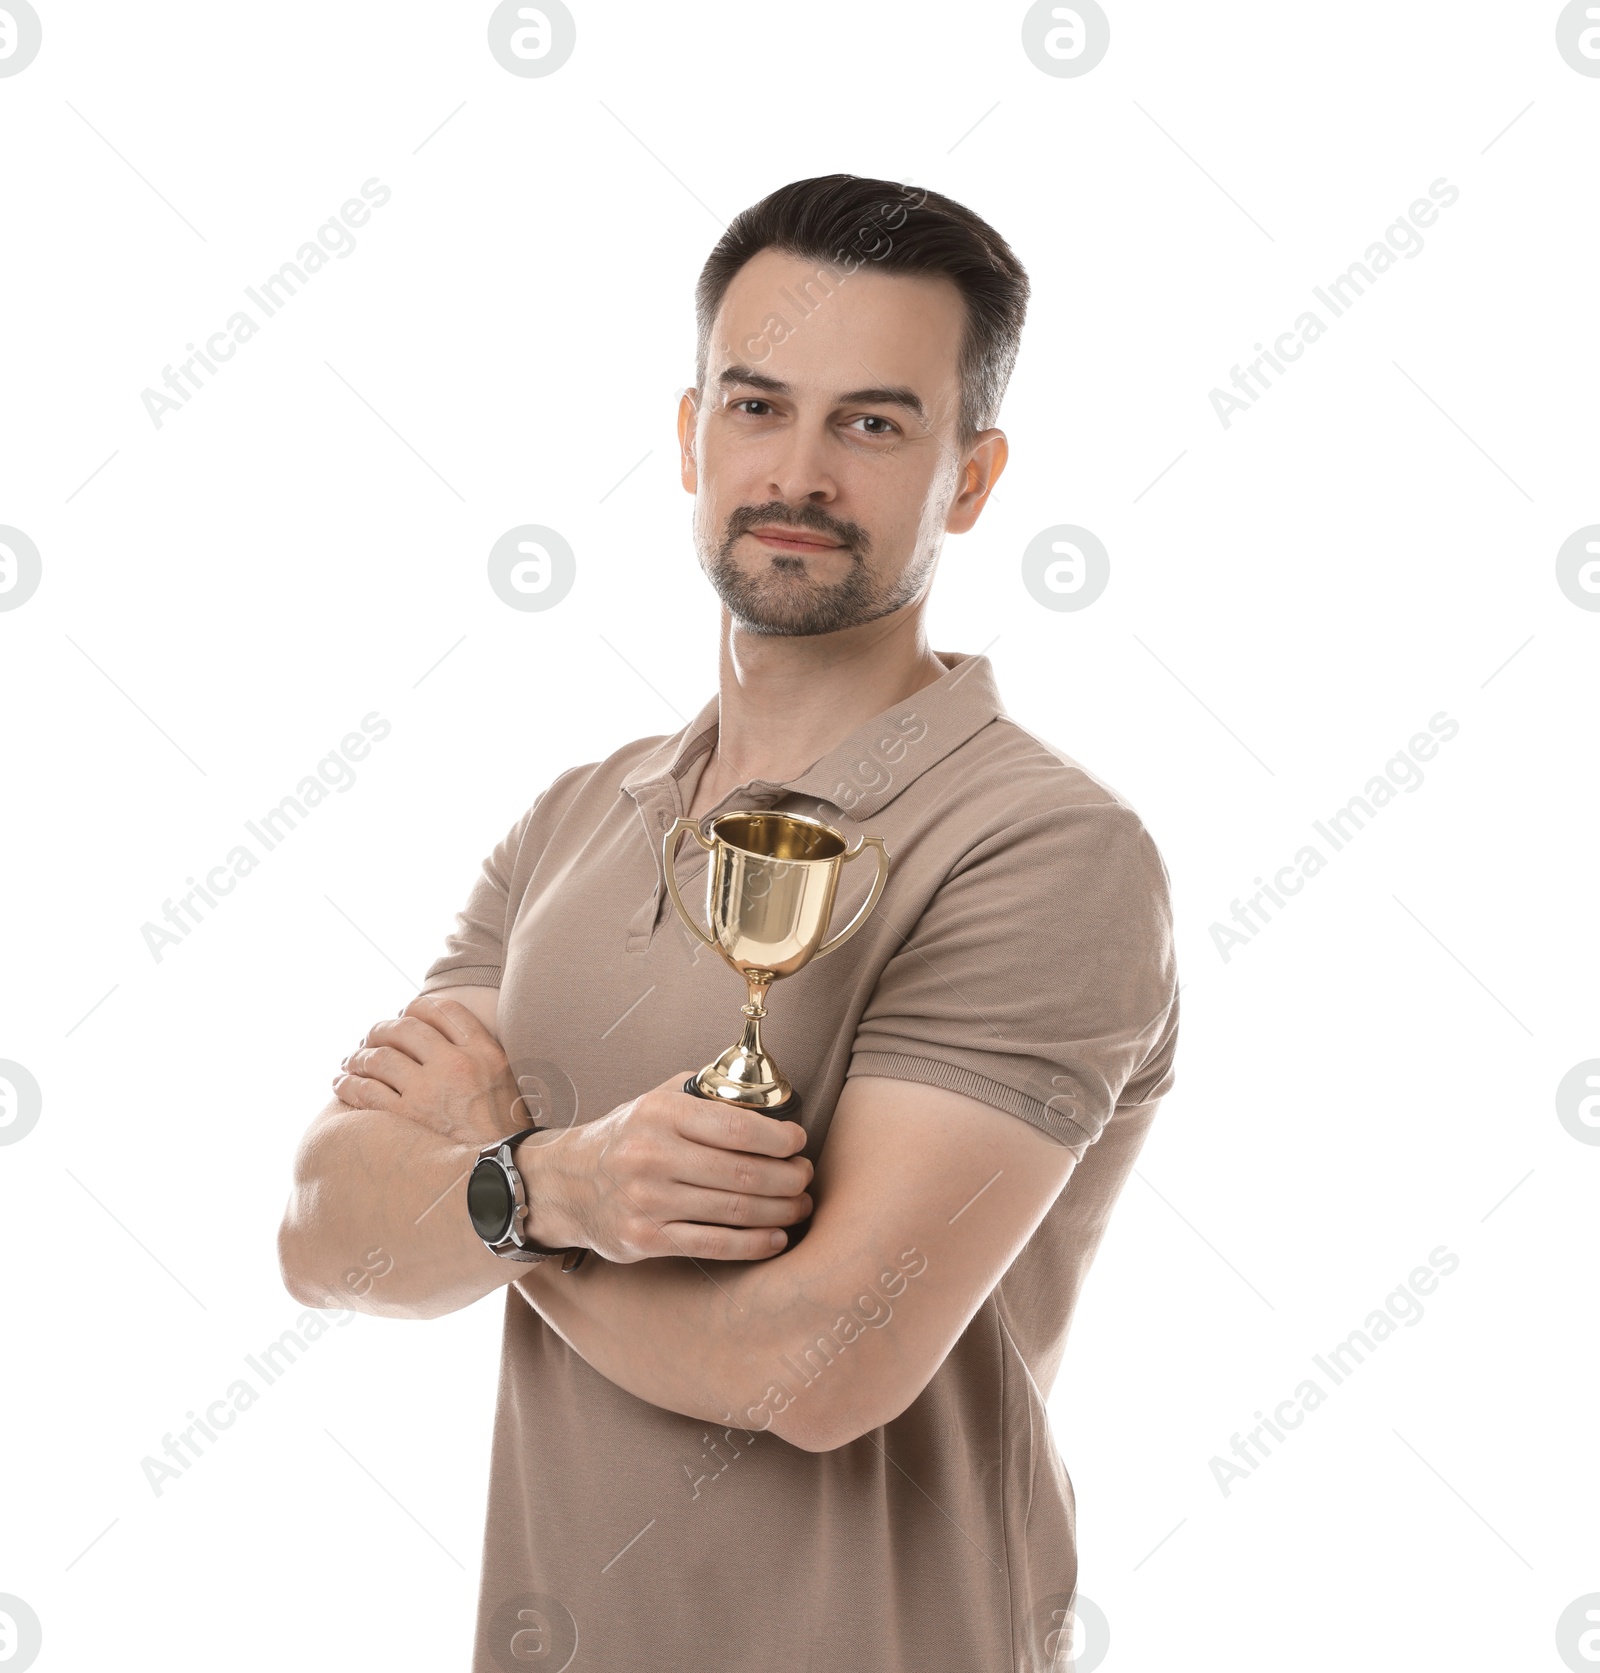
871 900
668 843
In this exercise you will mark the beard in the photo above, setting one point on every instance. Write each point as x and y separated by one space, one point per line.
781 597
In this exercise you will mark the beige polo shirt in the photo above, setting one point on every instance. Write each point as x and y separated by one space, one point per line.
1021 954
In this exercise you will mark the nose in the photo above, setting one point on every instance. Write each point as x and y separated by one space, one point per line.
799 470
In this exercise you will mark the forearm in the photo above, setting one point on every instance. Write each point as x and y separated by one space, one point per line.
695 1337
687 1335
748 1342
372 1188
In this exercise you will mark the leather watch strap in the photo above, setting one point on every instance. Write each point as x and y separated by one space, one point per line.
571 1258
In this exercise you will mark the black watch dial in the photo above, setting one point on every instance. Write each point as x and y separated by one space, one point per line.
490 1200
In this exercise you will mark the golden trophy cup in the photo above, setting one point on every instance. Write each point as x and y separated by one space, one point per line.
770 887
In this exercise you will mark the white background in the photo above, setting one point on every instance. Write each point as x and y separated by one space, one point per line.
226 596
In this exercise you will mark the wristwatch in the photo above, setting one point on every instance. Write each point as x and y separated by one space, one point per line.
497 1202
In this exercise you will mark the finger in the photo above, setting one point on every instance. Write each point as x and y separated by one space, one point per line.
762 1193
720 1243
741 1209
363 1094
731 1128
739 1172
450 1017
418 1039
381 1063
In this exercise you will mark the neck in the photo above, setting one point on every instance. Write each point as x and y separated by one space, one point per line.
784 702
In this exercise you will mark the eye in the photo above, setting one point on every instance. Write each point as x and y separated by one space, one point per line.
872 418
750 401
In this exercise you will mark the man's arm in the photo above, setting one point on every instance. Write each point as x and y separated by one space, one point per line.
368 1179
381 1177
924 1199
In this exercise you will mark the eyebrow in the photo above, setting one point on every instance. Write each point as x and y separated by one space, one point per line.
885 396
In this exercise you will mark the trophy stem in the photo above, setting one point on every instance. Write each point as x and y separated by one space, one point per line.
754 1009
744 1073
757 981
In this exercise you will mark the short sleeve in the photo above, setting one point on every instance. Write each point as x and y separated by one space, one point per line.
1040 978
475 949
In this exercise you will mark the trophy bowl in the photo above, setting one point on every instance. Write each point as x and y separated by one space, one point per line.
770 887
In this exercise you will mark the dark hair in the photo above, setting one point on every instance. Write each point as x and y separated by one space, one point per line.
847 222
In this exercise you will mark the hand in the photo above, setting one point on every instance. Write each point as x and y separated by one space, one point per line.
437 1065
668 1174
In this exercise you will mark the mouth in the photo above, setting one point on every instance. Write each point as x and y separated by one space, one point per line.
795 540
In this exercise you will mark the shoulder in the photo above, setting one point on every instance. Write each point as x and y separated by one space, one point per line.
1025 789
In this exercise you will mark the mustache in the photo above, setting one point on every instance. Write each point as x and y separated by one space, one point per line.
813 517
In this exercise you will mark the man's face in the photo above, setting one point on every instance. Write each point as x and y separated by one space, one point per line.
822 450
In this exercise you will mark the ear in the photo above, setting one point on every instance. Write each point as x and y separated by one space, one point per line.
688 418
985 460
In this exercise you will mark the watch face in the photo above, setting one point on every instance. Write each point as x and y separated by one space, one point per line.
490 1201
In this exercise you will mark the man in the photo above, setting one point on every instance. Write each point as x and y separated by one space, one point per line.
714 1449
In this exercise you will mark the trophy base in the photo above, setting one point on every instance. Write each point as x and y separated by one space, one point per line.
788 1110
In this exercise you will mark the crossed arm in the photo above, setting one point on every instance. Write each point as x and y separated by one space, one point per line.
923 1198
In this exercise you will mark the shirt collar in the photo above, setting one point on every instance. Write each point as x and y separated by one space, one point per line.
866 771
